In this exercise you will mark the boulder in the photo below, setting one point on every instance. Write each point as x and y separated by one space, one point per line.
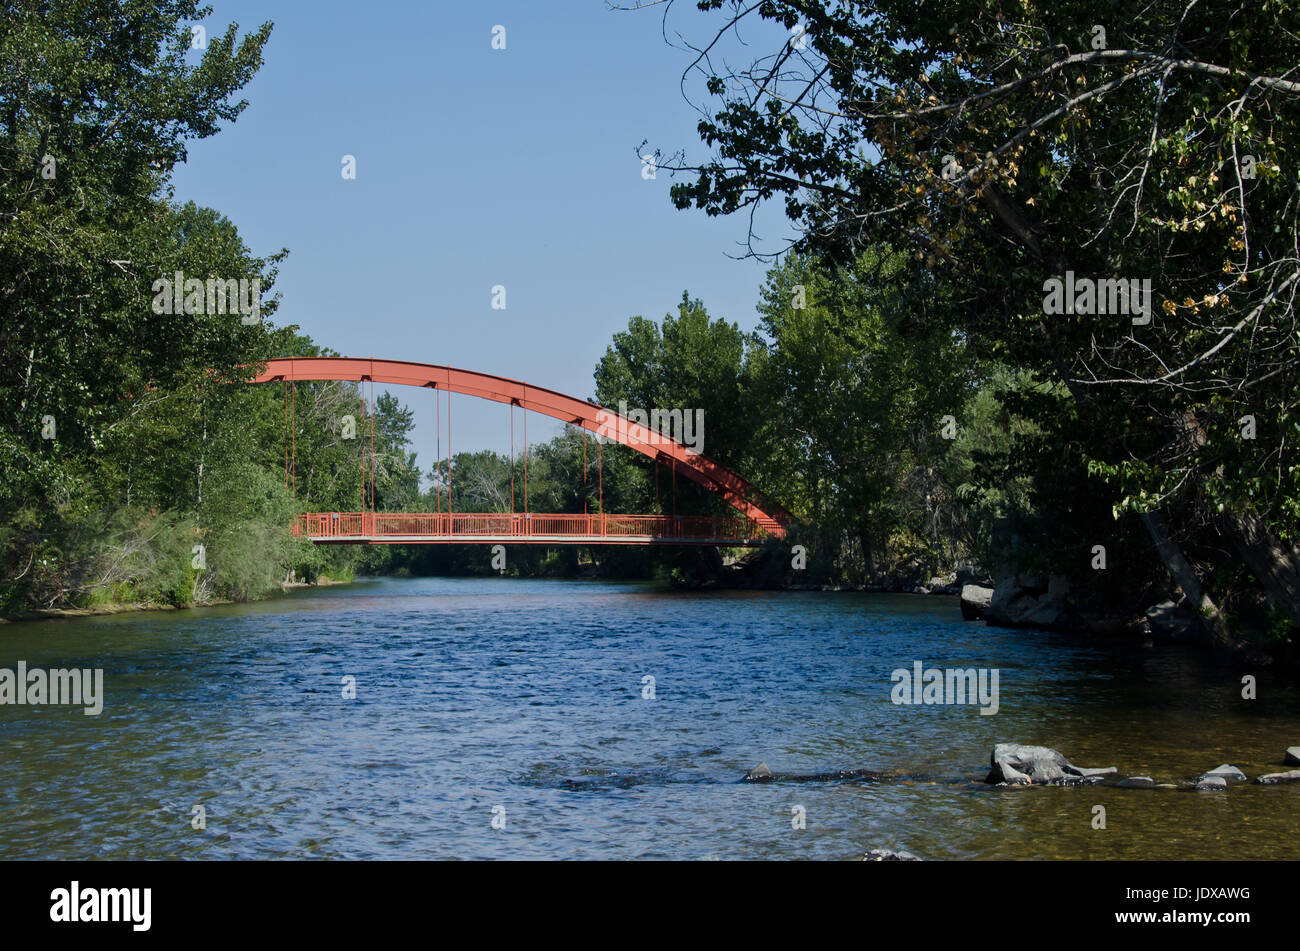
1022 605
1291 776
759 774
975 601
973 574
1058 587
1211 782
1019 765
1137 782
886 855
1229 774
1292 757
1031 583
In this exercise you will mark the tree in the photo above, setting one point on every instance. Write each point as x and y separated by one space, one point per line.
96 105
1032 142
853 403
107 405
692 363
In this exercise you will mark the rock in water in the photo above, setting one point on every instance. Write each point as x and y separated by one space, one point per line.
886 855
831 777
761 774
1293 756
1025 601
975 601
1136 782
1291 776
1017 764
1212 782
1229 774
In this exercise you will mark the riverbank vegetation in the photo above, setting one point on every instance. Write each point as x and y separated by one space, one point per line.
910 390
1098 203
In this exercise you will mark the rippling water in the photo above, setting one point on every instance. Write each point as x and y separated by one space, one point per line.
527 695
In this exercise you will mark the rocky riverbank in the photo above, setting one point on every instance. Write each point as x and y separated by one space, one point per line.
1030 601
1011 599
1023 600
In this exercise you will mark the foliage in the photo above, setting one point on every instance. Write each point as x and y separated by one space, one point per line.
997 146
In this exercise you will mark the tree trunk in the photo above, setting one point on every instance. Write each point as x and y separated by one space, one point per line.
1275 564
868 555
1172 555
203 451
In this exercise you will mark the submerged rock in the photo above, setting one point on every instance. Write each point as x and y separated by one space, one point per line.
762 774
1291 776
975 601
1137 782
832 776
887 855
1017 764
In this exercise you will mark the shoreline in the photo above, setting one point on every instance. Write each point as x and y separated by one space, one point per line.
1135 631
142 607
1143 630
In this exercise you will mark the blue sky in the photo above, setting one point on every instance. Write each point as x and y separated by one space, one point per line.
474 167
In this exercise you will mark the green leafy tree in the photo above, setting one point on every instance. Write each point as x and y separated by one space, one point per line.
1002 145
854 401
688 362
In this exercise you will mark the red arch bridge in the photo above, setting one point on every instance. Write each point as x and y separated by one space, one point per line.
753 520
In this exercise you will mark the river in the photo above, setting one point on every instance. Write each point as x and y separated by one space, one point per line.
525 702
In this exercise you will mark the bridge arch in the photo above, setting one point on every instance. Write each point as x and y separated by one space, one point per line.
714 477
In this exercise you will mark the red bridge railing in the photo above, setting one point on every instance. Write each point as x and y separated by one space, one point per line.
471 528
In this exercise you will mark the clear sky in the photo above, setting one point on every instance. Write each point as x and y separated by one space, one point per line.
474 167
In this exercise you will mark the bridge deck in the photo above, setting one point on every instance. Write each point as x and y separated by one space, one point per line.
471 528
